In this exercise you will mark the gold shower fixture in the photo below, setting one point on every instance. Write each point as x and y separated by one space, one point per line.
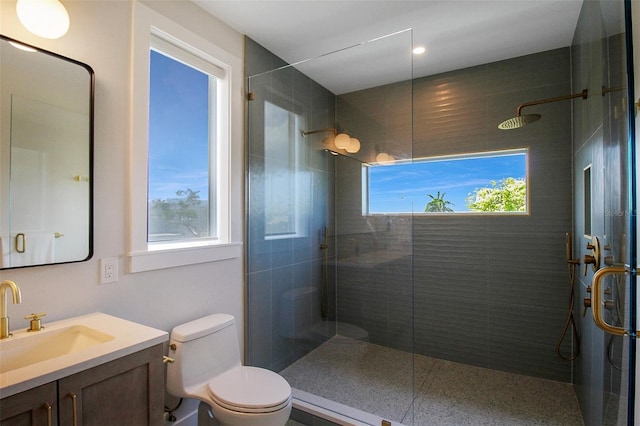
522 120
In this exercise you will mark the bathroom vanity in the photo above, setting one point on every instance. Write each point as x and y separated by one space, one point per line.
110 374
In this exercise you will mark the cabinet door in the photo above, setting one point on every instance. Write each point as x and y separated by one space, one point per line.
35 407
127 391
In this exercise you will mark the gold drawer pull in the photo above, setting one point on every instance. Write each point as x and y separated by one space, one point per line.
74 403
47 406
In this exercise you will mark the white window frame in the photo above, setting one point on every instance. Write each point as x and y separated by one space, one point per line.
144 256
470 155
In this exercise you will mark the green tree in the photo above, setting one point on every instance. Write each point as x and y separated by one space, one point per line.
179 212
188 199
438 204
507 195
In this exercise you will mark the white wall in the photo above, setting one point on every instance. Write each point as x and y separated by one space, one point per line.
100 35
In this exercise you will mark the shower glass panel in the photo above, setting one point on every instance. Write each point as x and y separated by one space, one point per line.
330 287
604 367
617 236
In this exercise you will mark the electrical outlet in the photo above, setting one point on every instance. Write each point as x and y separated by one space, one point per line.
108 270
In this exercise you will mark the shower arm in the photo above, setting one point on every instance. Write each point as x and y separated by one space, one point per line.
582 95
313 132
606 90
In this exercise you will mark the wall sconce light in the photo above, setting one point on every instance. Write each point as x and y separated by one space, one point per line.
44 18
353 146
340 140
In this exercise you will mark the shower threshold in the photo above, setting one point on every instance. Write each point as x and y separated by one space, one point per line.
334 412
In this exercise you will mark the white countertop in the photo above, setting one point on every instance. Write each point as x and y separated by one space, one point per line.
129 337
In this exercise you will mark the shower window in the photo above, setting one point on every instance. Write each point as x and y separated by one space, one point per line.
287 186
481 183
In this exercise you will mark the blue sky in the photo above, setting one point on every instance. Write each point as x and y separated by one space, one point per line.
179 151
403 187
178 128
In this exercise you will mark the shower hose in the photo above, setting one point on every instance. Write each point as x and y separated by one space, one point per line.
570 322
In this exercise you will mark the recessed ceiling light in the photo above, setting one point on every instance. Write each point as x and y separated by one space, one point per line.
419 50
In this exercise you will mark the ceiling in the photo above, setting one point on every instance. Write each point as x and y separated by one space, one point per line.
456 34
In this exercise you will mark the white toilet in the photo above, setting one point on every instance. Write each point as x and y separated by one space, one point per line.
207 367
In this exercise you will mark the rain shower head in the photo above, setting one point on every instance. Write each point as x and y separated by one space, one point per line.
522 120
519 121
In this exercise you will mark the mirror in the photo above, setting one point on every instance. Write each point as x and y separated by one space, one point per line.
46 147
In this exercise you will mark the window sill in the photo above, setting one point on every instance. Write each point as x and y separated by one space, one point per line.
151 260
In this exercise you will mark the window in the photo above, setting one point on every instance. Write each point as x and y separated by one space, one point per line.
285 189
182 145
181 198
492 182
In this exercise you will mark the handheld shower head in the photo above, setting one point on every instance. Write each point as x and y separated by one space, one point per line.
522 120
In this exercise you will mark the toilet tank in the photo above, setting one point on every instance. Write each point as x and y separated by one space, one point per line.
204 348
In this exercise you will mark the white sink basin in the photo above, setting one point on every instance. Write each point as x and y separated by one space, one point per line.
65 347
44 345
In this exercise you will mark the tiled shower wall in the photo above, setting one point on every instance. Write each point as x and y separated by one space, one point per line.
488 290
284 275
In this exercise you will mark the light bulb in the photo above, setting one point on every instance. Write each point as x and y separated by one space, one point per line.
329 140
354 146
44 18
342 141
383 158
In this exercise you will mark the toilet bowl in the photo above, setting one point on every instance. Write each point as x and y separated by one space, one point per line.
207 367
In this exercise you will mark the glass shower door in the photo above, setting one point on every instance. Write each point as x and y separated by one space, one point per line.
609 253
330 297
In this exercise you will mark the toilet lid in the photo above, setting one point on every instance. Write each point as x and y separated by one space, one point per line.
250 390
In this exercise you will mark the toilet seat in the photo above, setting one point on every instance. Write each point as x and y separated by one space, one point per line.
250 390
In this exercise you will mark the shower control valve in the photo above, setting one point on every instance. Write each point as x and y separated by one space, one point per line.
592 259
587 304
588 260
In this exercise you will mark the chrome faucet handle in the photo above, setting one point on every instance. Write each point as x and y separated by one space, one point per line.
35 323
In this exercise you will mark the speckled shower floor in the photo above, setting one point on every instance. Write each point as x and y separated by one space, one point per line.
378 380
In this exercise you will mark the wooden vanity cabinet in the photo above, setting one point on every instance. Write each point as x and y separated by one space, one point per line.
126 391
35 407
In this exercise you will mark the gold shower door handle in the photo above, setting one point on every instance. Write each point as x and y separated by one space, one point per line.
598 305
